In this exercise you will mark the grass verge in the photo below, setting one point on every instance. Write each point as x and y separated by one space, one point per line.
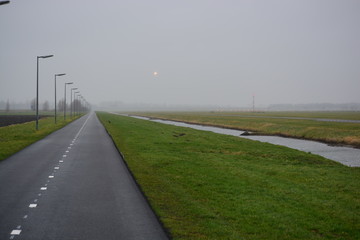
329 132
15 137
204 185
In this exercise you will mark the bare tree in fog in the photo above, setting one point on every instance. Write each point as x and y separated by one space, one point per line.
7 106
46 106
33 104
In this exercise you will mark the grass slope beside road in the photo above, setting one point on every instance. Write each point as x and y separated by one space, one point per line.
15 137
330 132
204 185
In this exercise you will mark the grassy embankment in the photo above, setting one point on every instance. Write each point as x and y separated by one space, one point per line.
13 138
262 123
204 185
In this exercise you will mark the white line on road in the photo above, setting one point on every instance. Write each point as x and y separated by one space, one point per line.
15 232
43 188
82 127
33 205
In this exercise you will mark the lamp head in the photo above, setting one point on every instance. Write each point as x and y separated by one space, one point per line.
4 2
46 56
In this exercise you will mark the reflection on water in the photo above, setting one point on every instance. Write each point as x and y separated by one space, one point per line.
345 155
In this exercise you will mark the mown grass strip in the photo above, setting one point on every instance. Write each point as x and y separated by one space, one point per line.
329 132
204 185
13 138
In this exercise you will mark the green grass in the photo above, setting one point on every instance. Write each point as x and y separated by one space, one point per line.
330 132
204 185
301 114
13 138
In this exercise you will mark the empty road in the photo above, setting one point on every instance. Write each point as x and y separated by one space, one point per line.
73 184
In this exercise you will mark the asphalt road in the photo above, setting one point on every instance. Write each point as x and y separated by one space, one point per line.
73 184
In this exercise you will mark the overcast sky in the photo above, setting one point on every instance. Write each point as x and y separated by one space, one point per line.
205 52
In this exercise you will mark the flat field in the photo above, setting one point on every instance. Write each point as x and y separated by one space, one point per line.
204 185
279 123
6 120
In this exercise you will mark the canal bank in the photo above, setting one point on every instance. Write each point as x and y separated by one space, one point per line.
346 155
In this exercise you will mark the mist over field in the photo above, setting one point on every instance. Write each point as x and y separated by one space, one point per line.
280 54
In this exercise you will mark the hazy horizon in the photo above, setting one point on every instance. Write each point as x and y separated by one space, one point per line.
205 52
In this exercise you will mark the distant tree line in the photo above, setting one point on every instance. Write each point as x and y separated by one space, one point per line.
315 107
44 106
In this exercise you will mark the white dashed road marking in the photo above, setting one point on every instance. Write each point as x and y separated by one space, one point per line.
15 232
18 230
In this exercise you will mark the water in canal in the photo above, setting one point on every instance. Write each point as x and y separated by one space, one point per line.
346 155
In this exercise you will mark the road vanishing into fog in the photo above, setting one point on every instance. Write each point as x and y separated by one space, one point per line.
73 184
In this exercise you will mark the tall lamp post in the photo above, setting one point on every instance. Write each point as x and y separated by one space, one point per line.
76 105
65 99
57 75
71 102
37 88
82 104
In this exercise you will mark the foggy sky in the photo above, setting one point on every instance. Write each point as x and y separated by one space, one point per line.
205 52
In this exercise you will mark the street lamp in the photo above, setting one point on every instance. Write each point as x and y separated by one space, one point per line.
37 88
65 99
57 75
71 102
76 105
80 104
4 2
83 104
